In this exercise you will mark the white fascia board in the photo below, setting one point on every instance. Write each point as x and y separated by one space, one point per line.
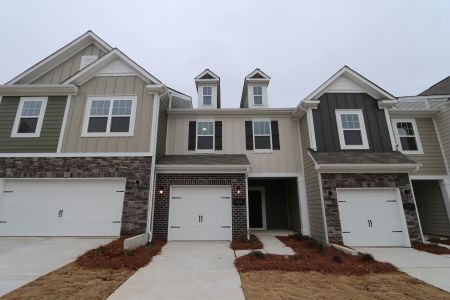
386 103
163 168
354 76
422 98
88 72
367 168
232 112
179 94
76 154
156 89
38 90
417 113
257 70
61 55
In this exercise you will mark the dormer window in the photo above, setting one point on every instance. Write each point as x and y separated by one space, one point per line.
257 95
207 95
352 129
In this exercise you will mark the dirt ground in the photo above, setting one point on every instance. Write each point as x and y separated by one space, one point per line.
272 285
73 282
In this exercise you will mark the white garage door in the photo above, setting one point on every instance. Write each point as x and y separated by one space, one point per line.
372 217
61 207
200 213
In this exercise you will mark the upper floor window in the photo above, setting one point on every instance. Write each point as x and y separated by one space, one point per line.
407 136
207 95
29 117
257 95
87 60
262 135
351 129
110 116
205 135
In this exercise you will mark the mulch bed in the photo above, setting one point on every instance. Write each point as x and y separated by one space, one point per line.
245 244
112 256
431 248
309 258
445 241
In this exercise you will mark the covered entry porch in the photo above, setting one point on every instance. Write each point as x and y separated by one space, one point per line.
273 204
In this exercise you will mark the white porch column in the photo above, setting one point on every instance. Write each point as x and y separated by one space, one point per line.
303 205
445 189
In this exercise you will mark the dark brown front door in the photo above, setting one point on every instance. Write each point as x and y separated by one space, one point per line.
255 203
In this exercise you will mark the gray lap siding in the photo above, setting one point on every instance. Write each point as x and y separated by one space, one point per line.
165 181
330 182
136 198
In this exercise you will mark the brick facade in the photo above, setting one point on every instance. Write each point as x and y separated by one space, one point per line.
164 181
343 180
134 214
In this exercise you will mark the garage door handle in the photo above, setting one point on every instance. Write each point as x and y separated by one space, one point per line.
116 221
346 232
175 227
3 222
397 230
391 201
8 191
225 197
176 197
225 226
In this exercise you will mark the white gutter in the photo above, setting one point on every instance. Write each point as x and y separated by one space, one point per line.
38 90
348 168
158 91
196 168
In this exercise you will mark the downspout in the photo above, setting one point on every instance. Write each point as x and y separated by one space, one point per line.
158 91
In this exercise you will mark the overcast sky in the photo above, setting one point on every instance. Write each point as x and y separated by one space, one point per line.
403 46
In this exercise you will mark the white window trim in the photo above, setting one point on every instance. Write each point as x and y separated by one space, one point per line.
213 135
85 58
262 95
203 95
365 142
270 134
37 133
85 133
416 135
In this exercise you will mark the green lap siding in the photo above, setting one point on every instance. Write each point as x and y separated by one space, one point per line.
51 127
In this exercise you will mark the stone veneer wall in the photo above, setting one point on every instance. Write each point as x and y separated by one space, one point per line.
134 214
343 180
164 181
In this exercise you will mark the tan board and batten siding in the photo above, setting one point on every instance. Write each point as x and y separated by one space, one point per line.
284 160
432 160
110 86
312 185
69 67
443 125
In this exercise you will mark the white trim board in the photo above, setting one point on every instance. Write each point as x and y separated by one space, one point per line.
78 154
273 175
64 122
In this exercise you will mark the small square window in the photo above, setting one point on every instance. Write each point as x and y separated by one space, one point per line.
351 129
407 136
29 117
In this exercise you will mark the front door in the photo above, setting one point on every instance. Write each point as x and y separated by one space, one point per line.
257 213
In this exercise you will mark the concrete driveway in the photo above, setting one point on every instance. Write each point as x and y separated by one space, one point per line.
430 268
186 270
23 260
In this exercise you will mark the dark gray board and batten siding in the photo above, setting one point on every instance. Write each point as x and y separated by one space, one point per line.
325 125
47 142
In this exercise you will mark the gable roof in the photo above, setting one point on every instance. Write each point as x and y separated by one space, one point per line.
207 74
59 56
371 88
440 88
89 71
256 76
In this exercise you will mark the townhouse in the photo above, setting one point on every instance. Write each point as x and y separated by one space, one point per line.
92 144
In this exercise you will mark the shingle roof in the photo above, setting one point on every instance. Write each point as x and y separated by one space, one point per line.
440 88
360 157
204 159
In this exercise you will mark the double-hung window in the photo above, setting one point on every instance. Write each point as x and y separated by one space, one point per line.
205 135
351 129
29 117
262 135
407 136
110 116
257 95
207 95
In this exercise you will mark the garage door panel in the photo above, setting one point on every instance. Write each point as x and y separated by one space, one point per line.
200 213
371 217
62 207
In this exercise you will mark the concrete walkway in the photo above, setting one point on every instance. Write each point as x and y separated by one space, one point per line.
430 268
23 260
186 270
272 245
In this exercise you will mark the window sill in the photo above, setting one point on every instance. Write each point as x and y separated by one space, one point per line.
263 151
205 151
108 134
418 152
355 148
25 135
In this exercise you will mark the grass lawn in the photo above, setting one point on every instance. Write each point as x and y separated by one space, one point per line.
94 275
